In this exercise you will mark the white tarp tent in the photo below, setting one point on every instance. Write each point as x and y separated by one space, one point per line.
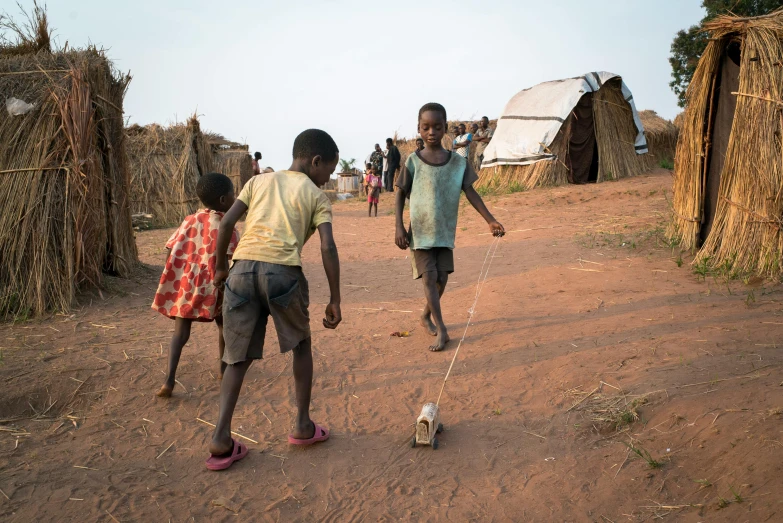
532 118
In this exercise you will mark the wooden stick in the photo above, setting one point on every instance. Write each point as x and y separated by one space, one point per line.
164 450
232 432
759 98
112 517
32 72
29 169
4 494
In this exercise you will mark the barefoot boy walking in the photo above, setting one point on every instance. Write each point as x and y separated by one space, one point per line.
434 178
283 210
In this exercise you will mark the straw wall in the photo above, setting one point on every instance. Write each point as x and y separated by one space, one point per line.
235 163
166 164
746 232
661 139
63 179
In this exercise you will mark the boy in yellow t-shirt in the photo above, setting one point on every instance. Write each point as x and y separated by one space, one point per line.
283 209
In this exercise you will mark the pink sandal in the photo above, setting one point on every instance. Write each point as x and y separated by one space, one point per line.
223 462
321 434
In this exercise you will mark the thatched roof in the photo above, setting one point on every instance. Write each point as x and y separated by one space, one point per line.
661 138
165 165
63 174
745 223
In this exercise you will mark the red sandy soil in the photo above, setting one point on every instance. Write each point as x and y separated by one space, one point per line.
586 315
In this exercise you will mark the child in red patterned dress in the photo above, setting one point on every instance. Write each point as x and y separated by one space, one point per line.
373 190
186 293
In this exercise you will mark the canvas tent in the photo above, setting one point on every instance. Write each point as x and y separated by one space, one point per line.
577 130
728 171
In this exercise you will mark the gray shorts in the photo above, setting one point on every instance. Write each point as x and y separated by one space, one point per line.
254 291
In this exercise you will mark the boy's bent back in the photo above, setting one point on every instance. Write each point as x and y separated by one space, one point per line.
284 210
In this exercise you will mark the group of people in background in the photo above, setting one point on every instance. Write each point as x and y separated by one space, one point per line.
480 134
380 169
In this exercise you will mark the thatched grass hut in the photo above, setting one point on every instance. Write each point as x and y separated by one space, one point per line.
661 137
577 130
232 159
63 172
165 165
728 171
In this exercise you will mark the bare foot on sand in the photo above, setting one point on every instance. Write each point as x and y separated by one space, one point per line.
440 343
426 322
165 391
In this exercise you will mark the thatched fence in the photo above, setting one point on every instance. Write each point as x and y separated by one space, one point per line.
166 163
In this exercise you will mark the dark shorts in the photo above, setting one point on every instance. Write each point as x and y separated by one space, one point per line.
254 291
436 259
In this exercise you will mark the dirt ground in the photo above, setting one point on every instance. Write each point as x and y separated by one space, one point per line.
593 340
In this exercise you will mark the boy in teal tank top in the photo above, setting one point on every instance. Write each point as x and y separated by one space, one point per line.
434 179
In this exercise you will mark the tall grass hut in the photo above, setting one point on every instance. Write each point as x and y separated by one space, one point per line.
578 130
728 199
166 164
64 185
232 159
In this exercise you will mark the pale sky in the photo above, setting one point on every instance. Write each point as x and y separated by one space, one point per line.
260 72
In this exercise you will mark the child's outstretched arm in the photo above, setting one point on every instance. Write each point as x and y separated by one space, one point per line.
331 262
475 200
400 236
225 231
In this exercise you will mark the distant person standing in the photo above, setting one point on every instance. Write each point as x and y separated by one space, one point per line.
462 141
392 160
256 167
376 159
482 137
419 144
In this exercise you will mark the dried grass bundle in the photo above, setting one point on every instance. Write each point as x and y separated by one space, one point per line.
63 176
746 232
165 165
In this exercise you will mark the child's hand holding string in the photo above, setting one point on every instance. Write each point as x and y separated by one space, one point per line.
496 229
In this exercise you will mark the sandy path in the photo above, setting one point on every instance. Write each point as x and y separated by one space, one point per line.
584 291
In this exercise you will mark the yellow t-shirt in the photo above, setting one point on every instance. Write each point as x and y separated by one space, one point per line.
284 209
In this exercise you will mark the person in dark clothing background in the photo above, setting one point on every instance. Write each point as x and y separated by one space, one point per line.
393 164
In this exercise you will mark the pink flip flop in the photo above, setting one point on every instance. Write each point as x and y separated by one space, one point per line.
223 462
321 434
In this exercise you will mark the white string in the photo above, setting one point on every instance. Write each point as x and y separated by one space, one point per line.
482 279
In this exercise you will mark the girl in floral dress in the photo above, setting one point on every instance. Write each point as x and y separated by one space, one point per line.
186 293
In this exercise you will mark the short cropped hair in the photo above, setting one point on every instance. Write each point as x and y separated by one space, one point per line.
211 187
389 141
315 142
432 106
257 155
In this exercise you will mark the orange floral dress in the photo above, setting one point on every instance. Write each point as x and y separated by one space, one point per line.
185 289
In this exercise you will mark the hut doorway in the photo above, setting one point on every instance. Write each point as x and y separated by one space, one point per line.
582 159
724 105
